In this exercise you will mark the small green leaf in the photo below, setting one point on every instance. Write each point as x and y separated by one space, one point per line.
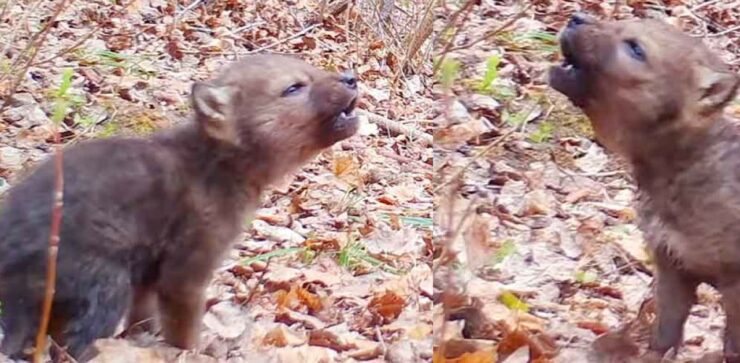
449 72
507 248
491 72
60 111
513 120
512 302
585 277
66 82
543 133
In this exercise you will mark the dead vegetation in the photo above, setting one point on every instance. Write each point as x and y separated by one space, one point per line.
337 261
537 257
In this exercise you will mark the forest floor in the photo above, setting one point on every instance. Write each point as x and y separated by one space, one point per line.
537 254
337 263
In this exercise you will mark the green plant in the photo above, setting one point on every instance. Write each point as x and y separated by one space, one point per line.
277 253
449 71
414 221
585 277
543 132
349 200
516 119
110 129
491 73
507 249
539 40
513 302
354 254
131 64
61 99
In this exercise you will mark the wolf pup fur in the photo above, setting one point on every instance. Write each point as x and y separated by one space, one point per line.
146 220
656 97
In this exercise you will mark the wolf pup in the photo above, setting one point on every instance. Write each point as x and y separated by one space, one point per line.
656 96
146 220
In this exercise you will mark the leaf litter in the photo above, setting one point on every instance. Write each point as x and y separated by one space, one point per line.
336 263
537 255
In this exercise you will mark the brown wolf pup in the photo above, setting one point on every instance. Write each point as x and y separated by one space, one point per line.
145 221
656 97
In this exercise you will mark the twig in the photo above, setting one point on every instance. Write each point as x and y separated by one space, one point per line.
51 269
417 39
398 128
82 40
296 35
246 27
14 33
379 336
703 5
70 48
494 32
260 282
8 4
465 10
192 6
36 41
724 32
61 350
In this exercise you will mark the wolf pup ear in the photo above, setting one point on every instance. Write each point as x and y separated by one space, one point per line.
211 104
717 89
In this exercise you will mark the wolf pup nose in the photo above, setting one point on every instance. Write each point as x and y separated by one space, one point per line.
656 96
146 220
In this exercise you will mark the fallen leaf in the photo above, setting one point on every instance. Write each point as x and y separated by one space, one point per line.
595 326
477 242
226 319
386 307
283 336
306 354
323 338
173 49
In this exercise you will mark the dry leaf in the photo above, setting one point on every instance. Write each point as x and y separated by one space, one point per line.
323 338
282 336
228 320
386 307
173 49
310 300
477 242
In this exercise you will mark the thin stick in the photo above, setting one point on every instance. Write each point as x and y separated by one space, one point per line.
296 35
79 42
8 4
260 282
190 7
464 11
398 128
724 32
704 4
14 33
32 46
51 269
493 32
71 47
36 42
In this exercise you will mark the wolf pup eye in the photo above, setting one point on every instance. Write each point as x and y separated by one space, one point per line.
293 89
635 50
